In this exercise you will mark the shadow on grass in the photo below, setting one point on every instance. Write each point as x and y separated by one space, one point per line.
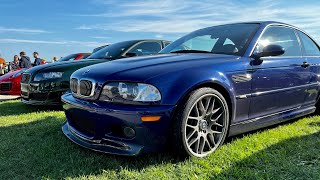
16 107
314 124
295 158
39 149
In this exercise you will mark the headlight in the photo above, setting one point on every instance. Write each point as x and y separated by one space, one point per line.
48 75
124 92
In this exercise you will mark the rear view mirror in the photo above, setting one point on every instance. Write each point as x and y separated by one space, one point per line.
130 54
270 50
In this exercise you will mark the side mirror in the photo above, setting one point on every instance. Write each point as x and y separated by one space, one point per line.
130 54
270 50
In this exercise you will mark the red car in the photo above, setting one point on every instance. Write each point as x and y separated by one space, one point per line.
77 56
10 83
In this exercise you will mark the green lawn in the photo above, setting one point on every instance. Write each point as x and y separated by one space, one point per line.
33 147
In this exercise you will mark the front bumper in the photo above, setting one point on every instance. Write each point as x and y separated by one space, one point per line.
9 88
99 126
43 93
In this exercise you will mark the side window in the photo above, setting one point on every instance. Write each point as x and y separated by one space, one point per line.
146 48
311 49
166 43
282 36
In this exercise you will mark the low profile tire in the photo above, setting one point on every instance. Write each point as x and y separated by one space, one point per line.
202 124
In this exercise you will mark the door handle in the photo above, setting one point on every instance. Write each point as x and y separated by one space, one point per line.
305 64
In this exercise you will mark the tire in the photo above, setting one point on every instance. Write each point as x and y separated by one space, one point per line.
202 123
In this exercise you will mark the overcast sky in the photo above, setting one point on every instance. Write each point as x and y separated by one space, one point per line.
59 28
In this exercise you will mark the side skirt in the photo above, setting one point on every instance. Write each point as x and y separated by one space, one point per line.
258 123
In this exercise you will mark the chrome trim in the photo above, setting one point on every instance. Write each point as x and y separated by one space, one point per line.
276 90
275 24
93 88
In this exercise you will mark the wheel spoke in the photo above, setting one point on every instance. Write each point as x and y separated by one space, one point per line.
212 106
211 139
197 110
202 143
207 105
193 141
202 110
197 145
208 143
214 132
215 120
194 118
217 124
191 134
215 110
191 126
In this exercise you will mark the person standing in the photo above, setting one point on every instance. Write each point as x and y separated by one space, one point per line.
55 59
14 65
24 60
37 60
2 65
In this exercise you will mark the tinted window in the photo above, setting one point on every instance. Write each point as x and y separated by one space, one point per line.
226 39
146 48
68 58
311 49
282 36
166 43
112 51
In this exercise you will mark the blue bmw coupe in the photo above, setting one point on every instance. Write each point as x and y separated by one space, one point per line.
210 84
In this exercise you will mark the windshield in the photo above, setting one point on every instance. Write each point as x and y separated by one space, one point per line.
68 58
112 51
226 39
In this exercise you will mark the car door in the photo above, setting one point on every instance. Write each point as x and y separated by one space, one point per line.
146 48
311 53
279 83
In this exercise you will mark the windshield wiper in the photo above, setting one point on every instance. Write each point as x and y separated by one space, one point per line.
190 51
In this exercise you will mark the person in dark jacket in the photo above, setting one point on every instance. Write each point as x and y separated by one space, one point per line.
14 65
24 60
37 60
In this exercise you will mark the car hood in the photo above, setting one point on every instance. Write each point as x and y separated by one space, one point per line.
66 64
148 66
9 75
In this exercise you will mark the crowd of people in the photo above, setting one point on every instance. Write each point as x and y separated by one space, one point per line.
19 63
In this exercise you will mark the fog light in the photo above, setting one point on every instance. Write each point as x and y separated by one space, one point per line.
129 132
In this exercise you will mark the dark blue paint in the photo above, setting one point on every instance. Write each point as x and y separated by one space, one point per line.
276 90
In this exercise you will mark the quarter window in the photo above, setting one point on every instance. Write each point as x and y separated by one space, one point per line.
311 49
146 48
282 36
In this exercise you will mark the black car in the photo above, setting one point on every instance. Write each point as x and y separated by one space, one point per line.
44 85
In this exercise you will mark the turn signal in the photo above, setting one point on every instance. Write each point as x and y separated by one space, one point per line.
150 118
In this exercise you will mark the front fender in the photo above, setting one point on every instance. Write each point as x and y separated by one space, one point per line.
174 86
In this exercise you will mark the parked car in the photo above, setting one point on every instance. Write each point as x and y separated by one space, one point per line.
229 80
76 56
100 47
45 84
10 82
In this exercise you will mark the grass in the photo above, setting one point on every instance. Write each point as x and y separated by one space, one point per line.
33 147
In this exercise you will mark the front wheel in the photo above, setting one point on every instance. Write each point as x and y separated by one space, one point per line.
202 124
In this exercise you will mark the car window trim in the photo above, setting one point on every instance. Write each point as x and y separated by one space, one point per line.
265 28
302 45
140 42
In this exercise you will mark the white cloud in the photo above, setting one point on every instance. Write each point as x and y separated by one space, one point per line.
100 37
82 43
22 30
159 36
180 16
